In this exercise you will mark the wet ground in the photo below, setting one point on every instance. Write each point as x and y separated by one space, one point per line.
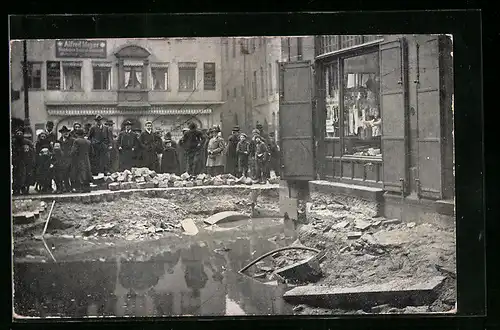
174 275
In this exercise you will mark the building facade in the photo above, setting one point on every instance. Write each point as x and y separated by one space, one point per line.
167 81
377 119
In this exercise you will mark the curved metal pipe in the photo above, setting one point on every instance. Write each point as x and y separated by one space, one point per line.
276 251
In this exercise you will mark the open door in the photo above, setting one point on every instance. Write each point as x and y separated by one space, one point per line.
394 104
296 121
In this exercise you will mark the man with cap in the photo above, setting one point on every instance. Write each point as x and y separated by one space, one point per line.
101 145
191 142
62 158
149 142
75 127
127 144
23 159
51 134
113 153
80 160
231 153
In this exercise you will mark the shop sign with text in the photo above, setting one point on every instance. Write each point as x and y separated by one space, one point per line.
81 48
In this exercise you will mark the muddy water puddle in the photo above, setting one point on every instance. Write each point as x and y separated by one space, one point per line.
176 275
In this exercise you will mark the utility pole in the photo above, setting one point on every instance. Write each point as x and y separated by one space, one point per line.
27 126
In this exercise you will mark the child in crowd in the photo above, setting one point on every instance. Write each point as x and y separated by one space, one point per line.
261 158
242 153
44 170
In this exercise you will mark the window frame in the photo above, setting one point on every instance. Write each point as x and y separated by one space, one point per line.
66 64
160 66
30 77
215 76
187 66
103 65
338 60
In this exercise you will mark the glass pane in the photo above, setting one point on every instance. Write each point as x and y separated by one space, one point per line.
72 78
187 79
362 125
332 100
159 78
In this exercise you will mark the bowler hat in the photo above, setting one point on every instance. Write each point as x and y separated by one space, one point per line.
98 117
64 129
128 123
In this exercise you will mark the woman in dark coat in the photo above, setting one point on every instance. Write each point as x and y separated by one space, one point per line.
170 158
23 161
231 153
80 154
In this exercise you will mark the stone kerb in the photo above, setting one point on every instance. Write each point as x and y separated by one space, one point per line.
109 195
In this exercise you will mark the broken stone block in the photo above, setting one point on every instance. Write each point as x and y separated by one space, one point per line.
133 185
275 180
218 182
121 178
115 175
354 234
108 179
341 224
395 293
189 227
369 239
231 182
208 182
185 176
361 225
140 179
179 183
248 181
376 223
146 185
189 184
226 216
391 222
163 184
411 224
114 186
199 183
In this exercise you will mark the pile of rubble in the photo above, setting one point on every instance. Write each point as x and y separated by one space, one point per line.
144 178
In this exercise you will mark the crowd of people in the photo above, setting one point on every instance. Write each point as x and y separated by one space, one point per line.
72 160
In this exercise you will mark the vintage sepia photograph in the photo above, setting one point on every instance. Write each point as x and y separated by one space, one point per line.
229 176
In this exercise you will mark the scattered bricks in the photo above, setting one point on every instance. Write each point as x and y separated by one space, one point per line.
354 234
179 184
231 182
108 179
400 293
156 183
185 176
199 183
89 230
361 225
163 184
369 239
140 179
189 184
376 223
391 222
218 182
411 224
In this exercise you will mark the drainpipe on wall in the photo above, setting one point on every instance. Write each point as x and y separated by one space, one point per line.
27 124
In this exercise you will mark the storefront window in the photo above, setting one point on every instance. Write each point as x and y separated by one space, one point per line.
332 100
362 122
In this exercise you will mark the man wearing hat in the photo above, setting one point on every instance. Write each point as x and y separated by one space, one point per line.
150 143
51 134
62 156
101 145
23 159
191 142
231 153
127 144
80 160
251 153
113 153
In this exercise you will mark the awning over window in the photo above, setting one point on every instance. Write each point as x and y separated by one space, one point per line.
106 111
102 64
133 63
159 65
187 65
72 64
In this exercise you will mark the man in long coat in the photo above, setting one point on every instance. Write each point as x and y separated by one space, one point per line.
149 143
182 152
127 144
51 134
274 150
80 160
215 161
101 145
191 142
22 163
202 154
251 152
113 153
231 154
63 161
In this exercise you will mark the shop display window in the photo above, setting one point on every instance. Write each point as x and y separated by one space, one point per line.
332 96
362 124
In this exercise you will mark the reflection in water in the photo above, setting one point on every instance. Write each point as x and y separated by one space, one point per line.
192 280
